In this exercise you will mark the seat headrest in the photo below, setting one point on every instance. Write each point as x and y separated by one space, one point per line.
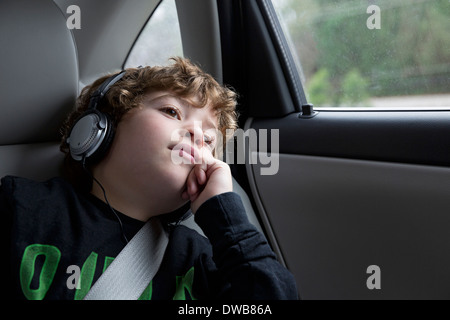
38 71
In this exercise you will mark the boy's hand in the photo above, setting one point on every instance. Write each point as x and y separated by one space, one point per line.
208 179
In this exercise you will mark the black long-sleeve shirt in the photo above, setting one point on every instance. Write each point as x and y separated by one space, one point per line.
52 227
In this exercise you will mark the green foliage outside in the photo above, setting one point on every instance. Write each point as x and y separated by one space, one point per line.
320 89
354 88
345 63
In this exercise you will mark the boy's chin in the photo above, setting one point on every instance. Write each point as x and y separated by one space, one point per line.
178 183
170 188
177 214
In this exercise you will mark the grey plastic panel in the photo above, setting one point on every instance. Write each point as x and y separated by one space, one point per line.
201 40
107 32
333 218
418 137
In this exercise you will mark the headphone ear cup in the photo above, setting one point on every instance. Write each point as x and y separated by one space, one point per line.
92 133
106 142
91 136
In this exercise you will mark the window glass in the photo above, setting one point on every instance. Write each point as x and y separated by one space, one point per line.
159 40
371 54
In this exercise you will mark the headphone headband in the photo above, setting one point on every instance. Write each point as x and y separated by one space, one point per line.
103 89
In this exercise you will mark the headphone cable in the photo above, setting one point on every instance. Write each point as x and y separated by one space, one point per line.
106 200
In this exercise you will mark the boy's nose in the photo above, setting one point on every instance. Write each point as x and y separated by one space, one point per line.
195 134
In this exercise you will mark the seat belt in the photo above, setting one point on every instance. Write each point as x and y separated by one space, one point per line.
135 266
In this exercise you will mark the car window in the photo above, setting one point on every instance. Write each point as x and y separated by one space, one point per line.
159 40
371 54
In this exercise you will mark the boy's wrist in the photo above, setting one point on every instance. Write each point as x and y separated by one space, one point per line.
207 195
219 213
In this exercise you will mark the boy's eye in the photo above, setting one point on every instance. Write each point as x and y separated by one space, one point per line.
171 111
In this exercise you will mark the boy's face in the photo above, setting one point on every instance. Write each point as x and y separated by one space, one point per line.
155 148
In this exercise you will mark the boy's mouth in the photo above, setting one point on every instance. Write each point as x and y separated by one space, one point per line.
187 152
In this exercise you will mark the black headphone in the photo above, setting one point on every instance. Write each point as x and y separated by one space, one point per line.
93 132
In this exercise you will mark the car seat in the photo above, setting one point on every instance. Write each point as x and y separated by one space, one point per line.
39 84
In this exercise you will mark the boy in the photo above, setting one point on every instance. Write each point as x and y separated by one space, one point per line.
154 115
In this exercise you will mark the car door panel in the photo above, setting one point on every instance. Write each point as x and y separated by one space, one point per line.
353 190
334 217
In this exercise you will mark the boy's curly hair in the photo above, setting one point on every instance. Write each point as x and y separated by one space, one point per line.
182 78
